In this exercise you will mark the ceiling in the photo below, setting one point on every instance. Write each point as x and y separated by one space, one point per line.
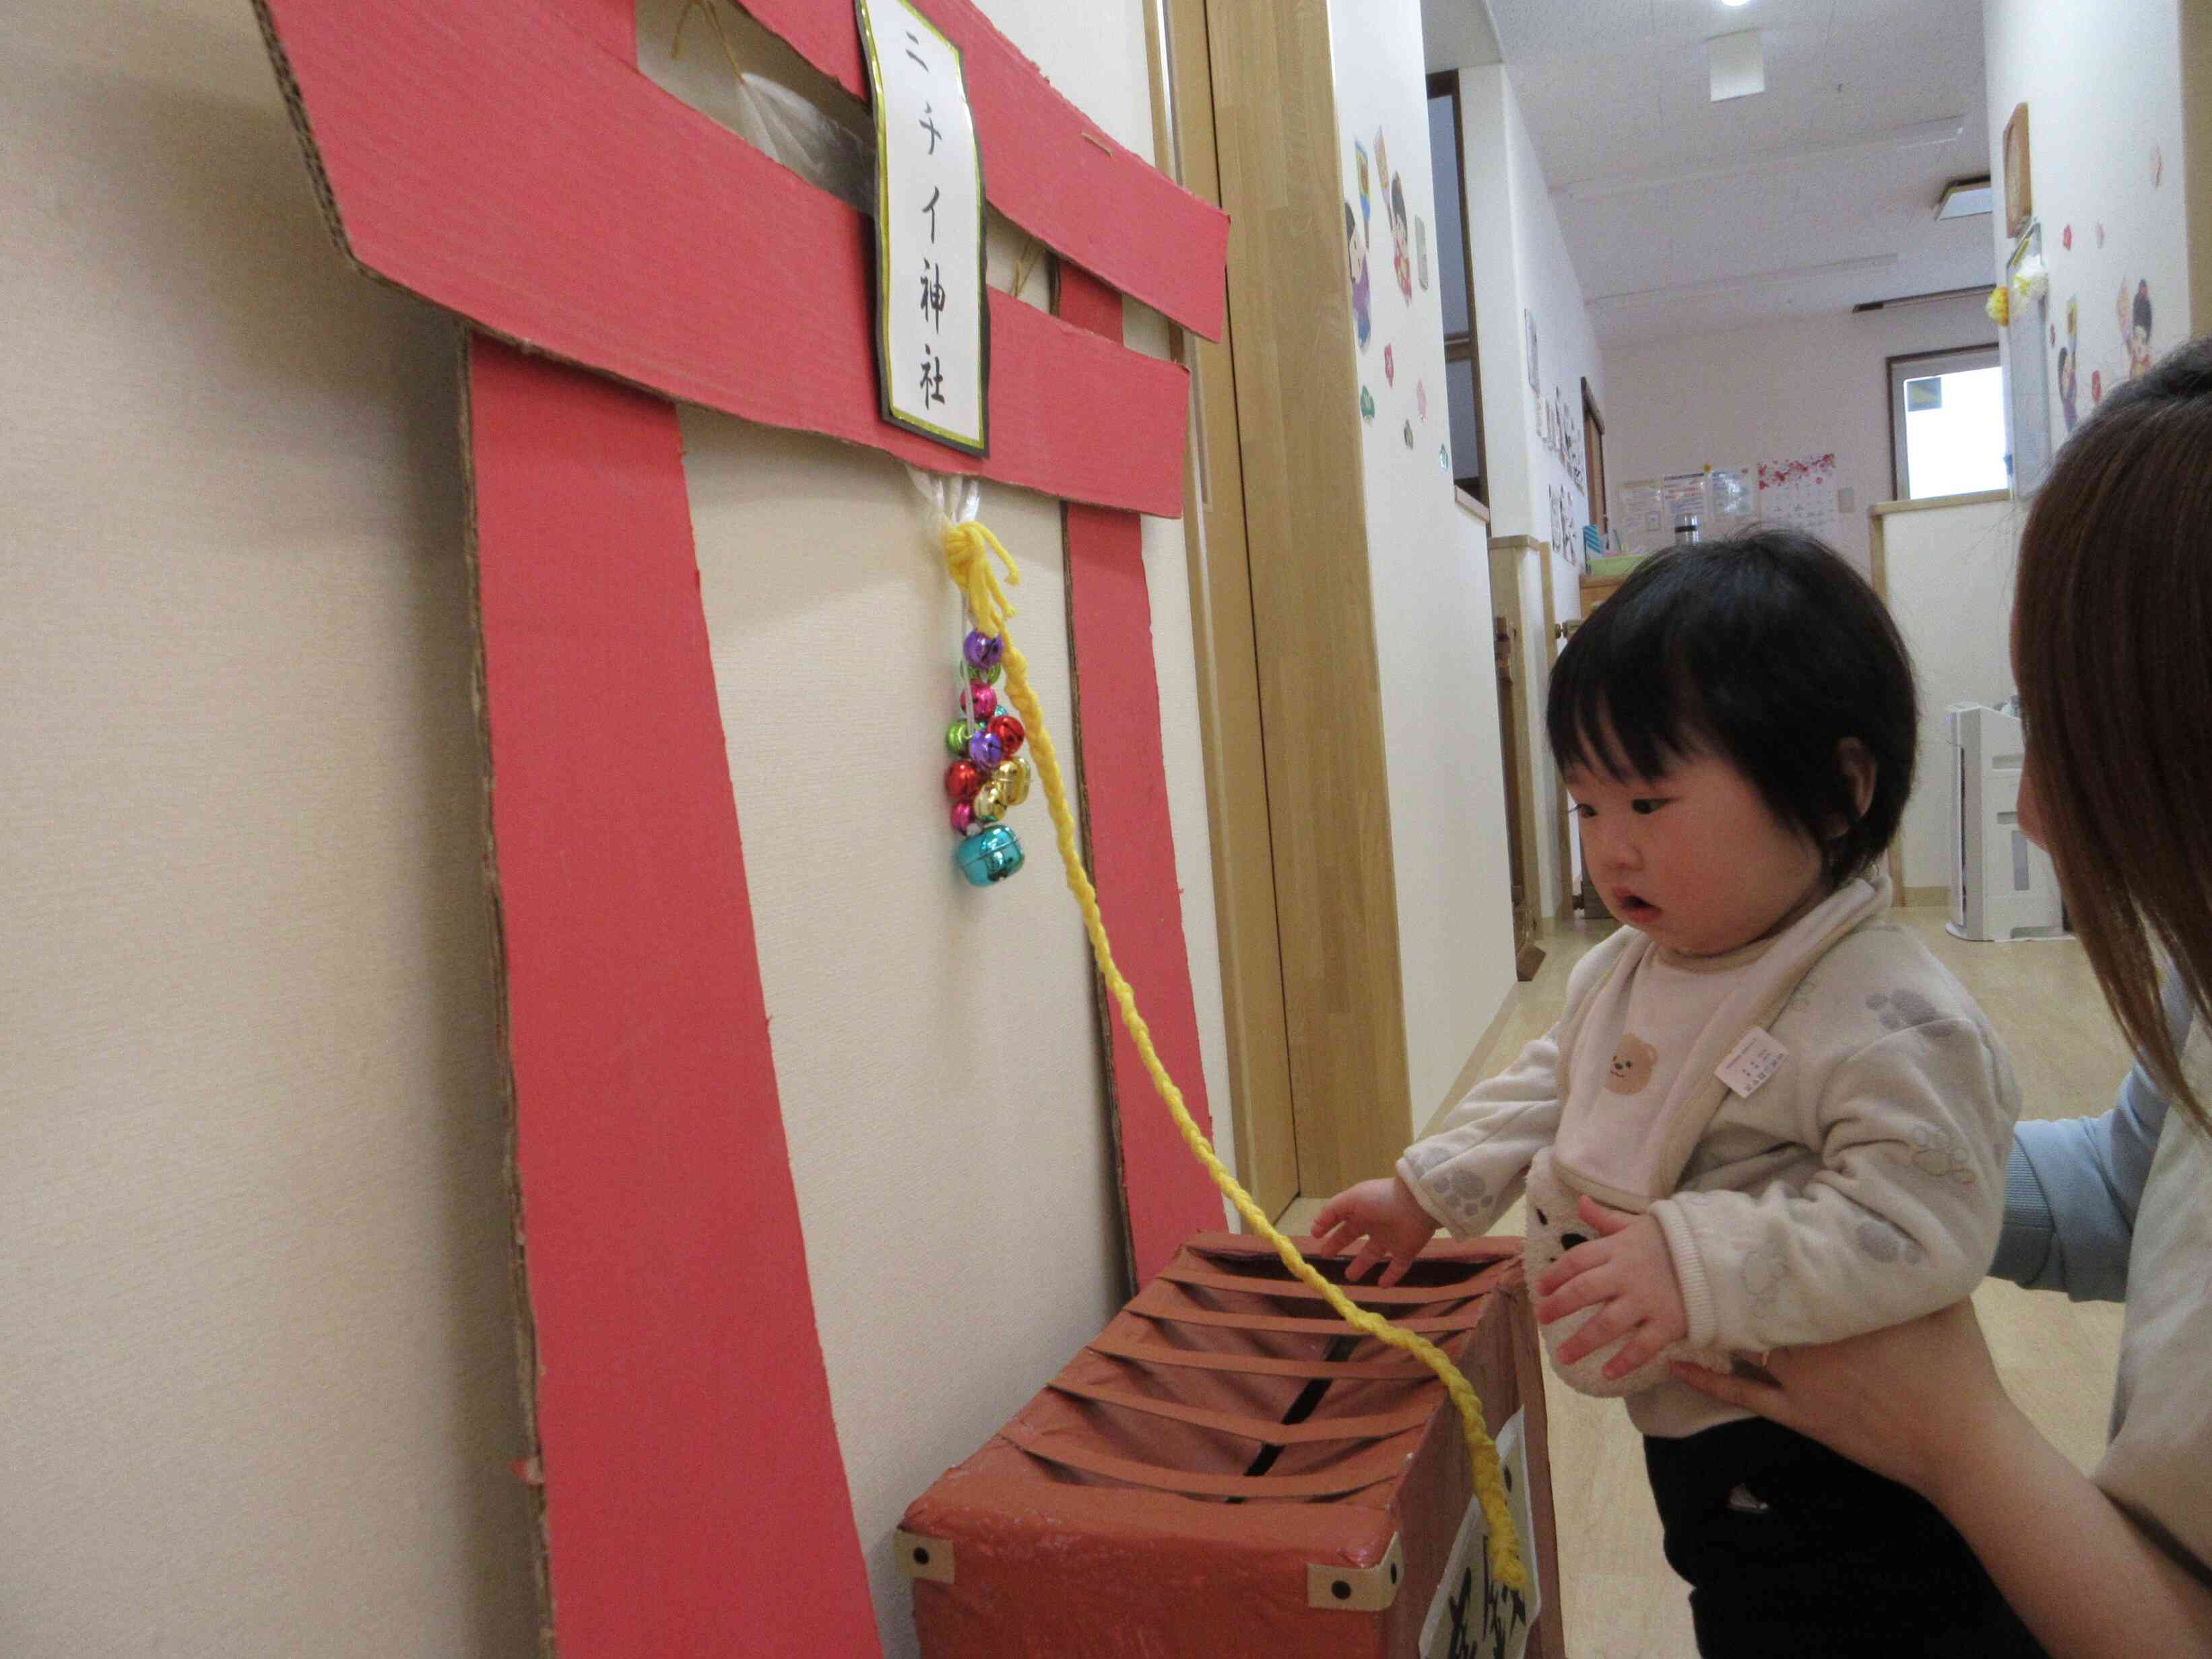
1686 217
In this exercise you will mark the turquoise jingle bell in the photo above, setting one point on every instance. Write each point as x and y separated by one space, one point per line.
989 857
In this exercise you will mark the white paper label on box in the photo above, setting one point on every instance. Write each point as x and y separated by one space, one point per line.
1472 1614
932 323
1751 1062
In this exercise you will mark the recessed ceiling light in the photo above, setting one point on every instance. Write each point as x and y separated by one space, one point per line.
1732 5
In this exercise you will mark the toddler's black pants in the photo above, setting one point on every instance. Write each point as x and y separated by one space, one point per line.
1791 1549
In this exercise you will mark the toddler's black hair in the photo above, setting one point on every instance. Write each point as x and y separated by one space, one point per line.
1765 650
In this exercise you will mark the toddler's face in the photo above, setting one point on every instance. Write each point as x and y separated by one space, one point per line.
1695 858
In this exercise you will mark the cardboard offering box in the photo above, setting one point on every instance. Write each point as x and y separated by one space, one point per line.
1228 1470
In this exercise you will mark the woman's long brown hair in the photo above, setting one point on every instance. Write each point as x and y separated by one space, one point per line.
2112 642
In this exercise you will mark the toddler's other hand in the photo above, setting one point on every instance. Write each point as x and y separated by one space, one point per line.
1387 1215
1630 1270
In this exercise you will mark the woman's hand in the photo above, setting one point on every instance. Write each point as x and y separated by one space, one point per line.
1387 1215
1921 1403
1910 1401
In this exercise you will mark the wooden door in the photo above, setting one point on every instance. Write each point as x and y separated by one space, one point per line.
1289 686
1265 1125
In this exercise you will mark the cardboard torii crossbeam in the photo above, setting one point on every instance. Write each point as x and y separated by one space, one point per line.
505 159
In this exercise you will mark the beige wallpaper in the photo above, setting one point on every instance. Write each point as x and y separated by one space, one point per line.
256 1386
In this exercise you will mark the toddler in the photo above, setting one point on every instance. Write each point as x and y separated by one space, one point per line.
1768 1116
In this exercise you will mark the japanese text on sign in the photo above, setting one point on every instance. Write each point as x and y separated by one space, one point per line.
932 323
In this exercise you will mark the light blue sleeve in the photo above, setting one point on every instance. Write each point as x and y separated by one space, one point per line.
2072 1184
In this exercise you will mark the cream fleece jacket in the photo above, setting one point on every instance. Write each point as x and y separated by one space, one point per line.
1860 1185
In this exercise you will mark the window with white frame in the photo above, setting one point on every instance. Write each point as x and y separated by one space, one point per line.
1946 423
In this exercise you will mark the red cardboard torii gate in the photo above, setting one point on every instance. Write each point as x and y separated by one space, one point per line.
505 159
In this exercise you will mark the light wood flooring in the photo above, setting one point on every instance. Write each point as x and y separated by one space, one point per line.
1619 1600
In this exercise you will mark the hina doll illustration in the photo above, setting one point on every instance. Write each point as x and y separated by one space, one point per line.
2069 369
1401 237
1355 258
2135 327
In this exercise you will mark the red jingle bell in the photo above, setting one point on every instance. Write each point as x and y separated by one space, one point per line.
962 780
1010 733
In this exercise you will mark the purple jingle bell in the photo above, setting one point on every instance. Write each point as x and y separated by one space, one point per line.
983 650
986 751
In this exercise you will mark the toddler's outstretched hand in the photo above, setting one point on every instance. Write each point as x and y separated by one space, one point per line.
1630 1270
1387 1215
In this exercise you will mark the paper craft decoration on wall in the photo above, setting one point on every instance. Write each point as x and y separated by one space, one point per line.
507 161
2069 366
2136 328
1355 254
1801 494
2027 400
1400 239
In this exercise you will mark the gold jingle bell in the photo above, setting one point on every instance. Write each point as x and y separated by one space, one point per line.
1013 779
990 802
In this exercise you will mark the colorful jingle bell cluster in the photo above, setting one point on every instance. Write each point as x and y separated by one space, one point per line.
989 776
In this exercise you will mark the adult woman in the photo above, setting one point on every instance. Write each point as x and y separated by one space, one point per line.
2112 646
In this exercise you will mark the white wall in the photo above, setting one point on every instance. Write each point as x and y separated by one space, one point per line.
2103 87
1950 577
1802 387
258 1365
1428 562
257 1369
1522 271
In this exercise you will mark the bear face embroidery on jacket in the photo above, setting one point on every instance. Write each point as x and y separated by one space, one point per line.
1632 1065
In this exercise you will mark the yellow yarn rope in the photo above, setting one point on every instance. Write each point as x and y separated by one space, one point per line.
969 550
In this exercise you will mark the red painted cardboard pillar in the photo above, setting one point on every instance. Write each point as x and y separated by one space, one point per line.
1167 1192
696 1500
695 1497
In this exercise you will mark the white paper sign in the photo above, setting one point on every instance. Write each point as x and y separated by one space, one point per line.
1473 1616
933 326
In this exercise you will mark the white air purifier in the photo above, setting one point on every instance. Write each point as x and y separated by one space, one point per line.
2003 884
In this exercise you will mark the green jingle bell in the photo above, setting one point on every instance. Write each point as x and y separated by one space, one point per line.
989 857
959 735
985 675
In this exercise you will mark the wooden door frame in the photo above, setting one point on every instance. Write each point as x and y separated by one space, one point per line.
1245 920
1289 685
1505 557
1594 446
1443 84
2197 159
